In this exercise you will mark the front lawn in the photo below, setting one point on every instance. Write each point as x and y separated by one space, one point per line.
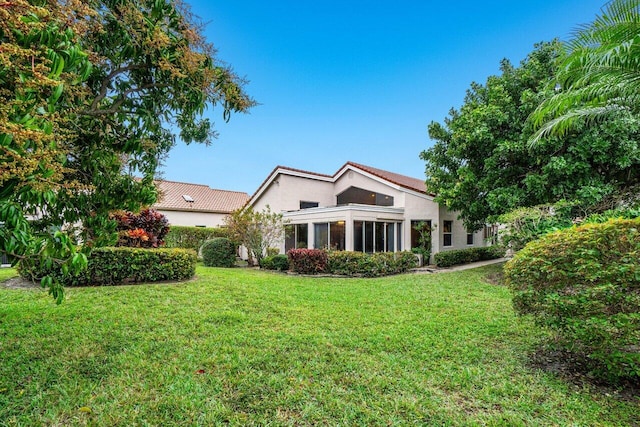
246 347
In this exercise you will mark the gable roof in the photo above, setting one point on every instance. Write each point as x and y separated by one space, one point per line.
407 182
205 199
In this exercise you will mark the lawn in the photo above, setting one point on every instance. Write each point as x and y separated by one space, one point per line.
245 347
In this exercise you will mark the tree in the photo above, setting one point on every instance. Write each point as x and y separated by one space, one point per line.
256 231
600 77
91 92
482 165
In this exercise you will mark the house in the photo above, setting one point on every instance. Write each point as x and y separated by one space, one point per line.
359 208
195 204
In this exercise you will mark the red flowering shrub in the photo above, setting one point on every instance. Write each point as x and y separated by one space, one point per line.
308 261
144 230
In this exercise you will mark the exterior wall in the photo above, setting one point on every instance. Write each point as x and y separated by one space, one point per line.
193 219
286 192
459 235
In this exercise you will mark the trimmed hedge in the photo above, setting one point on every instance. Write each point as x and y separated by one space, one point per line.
464 256
119 265
360 264
308 261
275 262
192 237
584 283
219 252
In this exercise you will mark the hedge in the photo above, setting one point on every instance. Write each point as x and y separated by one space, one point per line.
308 261
584 283
218 252
119 265
370 265
275 262
464 256
192 237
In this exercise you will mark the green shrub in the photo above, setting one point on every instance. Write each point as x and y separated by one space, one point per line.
308 261
114 266
464 256
219 252
584 283
360 264
278 262
192 237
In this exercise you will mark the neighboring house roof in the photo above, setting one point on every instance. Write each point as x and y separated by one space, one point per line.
407 182
177 196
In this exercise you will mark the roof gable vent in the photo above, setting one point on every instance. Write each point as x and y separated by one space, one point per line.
188 198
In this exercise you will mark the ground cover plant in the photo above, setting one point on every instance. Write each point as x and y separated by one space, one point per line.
247 347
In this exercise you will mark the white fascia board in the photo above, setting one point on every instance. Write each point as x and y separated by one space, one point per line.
335 209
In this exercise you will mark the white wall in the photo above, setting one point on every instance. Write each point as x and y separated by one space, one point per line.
194 218
286 192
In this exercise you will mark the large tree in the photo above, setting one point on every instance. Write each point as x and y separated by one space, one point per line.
482 165
600 76
90 92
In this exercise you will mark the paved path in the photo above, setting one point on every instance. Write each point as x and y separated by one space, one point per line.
459 267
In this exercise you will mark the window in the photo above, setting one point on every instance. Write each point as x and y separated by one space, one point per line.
321 236
447 233
308 205
336 235
469 238
364 197
188 198
490 233
296 236
329 235
370 236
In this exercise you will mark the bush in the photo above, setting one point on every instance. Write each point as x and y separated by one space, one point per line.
275 262
308 261
370 265
219 252
144 230
464 256
192 237
114 266
584 283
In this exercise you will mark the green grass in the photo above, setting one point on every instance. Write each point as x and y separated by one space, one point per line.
245 347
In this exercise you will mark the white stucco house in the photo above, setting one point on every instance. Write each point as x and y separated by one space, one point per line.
359 208
195 204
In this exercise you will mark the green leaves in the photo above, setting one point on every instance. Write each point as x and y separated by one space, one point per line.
599 77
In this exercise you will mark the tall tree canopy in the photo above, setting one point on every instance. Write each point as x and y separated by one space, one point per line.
482 165
90 92
600 76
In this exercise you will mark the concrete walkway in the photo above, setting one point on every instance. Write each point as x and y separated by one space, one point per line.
434 269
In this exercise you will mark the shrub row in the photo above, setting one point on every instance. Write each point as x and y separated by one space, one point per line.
371 265
119 265
463 256
275 262
308 261
347 263
192 237
219 252
584 283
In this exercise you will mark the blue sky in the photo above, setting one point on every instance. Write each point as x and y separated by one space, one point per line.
358 81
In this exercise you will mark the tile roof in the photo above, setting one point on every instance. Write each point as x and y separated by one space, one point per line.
205 199
396 178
